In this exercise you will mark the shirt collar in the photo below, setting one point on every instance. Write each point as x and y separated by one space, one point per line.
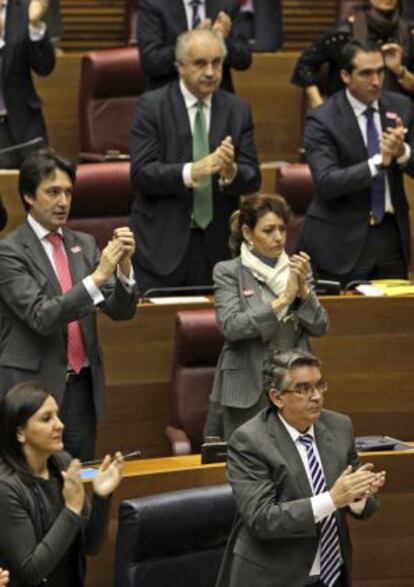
359 107
189 98
40 231
188 2
293 433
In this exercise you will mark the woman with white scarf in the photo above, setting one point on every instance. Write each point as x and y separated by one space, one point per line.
263 298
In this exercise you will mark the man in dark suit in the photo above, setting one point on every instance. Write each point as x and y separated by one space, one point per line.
265 23
295 476
24 46
192 155
52 281
160 23
358 145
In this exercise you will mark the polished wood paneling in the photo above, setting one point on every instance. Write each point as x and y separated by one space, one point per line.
382 544
303 21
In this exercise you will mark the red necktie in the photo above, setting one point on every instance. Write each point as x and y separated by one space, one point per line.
76 349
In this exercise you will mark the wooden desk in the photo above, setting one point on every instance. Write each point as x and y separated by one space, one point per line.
367 356
382 544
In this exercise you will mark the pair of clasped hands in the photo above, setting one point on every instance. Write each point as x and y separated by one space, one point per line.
392 144
353 486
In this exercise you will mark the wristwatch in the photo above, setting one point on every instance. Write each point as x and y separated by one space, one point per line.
378 162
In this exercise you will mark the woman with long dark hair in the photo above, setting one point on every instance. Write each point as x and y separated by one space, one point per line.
380 21
263 298
47 525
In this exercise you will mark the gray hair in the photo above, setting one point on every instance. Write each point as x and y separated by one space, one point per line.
183 40
277 366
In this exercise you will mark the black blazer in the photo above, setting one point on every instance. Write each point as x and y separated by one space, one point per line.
160 22
161 143
337 219
21 56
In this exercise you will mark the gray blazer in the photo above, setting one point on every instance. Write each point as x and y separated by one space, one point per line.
274 540
34 314
249 324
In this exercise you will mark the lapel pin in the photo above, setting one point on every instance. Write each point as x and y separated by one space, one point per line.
391 115
248 292
76 249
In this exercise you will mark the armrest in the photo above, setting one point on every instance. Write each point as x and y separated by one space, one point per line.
180 443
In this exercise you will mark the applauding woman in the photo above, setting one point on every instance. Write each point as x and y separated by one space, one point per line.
47 525
263 298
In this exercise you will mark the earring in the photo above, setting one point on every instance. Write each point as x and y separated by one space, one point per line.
250 245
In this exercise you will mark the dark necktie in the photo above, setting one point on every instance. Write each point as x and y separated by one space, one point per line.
75 349
203 192
329 540
195 19
378 182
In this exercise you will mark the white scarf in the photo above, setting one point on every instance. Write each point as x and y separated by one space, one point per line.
275 278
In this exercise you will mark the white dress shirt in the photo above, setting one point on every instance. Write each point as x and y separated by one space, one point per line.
189 11
359 109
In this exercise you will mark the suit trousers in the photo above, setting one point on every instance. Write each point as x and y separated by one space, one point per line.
77 413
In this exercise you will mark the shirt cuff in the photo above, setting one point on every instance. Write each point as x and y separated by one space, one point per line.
187 179
128 283
357 507
373 168
37 33
93 291
322 506
224 181
405 157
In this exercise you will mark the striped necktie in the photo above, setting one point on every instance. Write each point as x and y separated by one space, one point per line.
329 540
203 192
378 182
195 19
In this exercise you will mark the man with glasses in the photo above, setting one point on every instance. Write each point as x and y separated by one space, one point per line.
192 155
295 475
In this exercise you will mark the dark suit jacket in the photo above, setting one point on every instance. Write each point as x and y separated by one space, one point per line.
34 314
275 538
21 56
161 144
267 25
336 224
161 22
249 325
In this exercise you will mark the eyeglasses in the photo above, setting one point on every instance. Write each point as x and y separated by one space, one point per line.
308 388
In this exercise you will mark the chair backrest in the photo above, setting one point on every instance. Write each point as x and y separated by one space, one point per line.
294 182
111 82
197 345
102 199
173 539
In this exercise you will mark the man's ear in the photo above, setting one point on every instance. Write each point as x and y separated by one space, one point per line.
345 76
276 397
20 436
28 199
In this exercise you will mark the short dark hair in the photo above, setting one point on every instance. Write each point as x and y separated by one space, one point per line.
277 366
39 166
351 50
17 406
253 207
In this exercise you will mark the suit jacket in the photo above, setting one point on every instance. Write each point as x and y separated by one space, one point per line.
34 314
249 325
161 144
268 25
161 22
275 537
20 57
336 223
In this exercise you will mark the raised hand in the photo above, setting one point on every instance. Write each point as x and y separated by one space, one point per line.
73 491
393 56
109 475
37 10
225 153
222 24
125 235
110 257
354 485
300 266
205 167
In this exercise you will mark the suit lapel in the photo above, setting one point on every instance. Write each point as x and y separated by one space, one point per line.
326 448
219 120
386 120
38 256
349 126
182 128
288 449
178 14
212 8
249 289
75 255
14 16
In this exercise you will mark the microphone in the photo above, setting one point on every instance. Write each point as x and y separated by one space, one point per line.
128 457
20 146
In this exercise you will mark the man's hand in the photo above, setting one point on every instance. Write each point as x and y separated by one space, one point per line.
225 153
392 142
222 24
37 10
205 24
205 167
125 235
393 56
110 257
354 485
73 490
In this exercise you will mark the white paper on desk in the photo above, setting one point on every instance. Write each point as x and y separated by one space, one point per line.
179 300
369 290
